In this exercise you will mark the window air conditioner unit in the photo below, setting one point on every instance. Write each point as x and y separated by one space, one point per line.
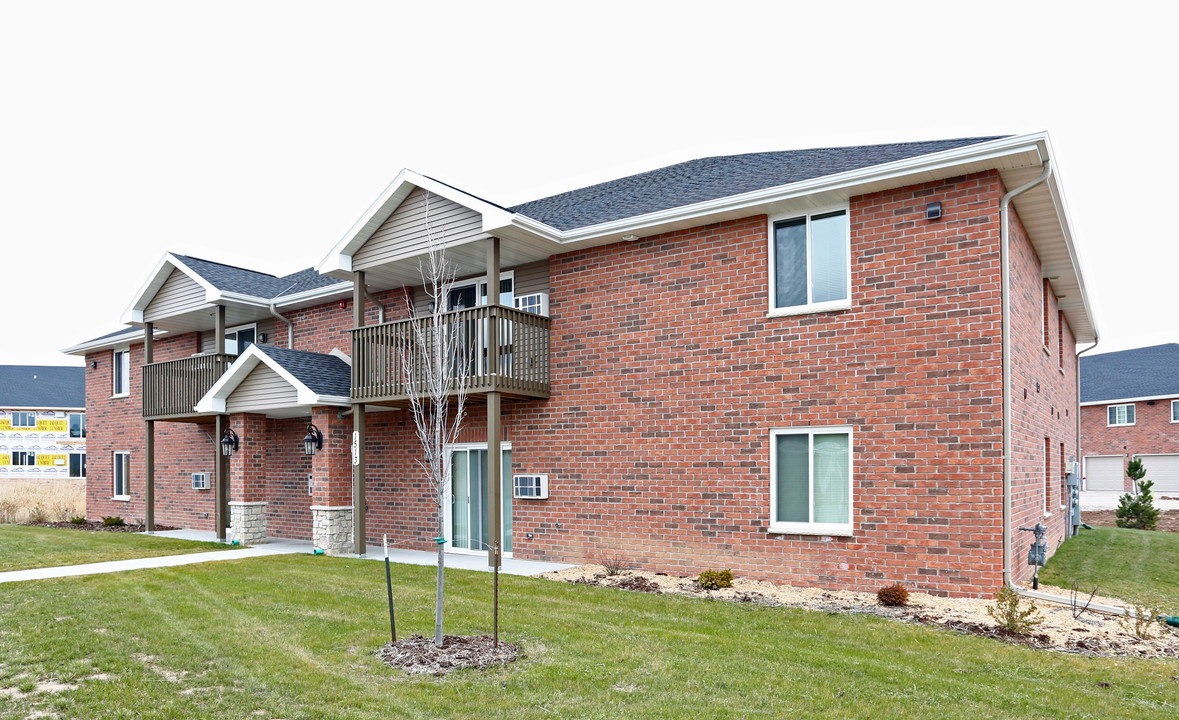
530 487
535 303
200 481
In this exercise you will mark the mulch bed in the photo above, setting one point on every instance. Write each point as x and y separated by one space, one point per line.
418 655
96 525
1168 519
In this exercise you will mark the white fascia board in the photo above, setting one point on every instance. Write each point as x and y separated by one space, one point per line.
339 260
320 293
163 268
875 173
1123 401
1066 225
132 335
337 352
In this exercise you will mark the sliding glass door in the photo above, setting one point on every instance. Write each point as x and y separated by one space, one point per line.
468 526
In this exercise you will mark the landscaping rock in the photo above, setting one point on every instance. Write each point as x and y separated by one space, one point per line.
418 655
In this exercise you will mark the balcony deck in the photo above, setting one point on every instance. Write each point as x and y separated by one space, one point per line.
172 388
386 359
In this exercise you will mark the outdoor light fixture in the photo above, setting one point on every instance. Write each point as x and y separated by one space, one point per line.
229 442
313 440
933 211
93 364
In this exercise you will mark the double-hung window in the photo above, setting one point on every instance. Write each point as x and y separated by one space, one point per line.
810 263
1121 415
122 373
811 481
121 474
22 419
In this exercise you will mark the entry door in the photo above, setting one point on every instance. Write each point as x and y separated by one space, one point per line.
468 522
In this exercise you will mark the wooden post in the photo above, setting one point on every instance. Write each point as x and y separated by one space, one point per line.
219 512
358 298
219 333
494 453
149 440
358 502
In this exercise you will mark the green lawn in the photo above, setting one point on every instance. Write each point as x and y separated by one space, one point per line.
1138 565
25 547
293 637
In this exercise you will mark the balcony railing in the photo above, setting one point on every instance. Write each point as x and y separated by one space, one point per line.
172 388
518 364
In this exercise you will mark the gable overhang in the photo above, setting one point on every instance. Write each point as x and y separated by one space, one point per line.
132 336
214 401
133 315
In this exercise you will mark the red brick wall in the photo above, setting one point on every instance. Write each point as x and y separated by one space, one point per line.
116 424
1044 402
1152 432
288 506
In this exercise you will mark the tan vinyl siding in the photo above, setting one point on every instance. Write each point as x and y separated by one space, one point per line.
404 233
263 389
532 278
179 294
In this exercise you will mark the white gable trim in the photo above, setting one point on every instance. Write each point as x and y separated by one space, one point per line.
155 281
214 400
340 257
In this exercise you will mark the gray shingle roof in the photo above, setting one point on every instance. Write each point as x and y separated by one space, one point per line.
324 374
42 386
1142 372
252 282
712 178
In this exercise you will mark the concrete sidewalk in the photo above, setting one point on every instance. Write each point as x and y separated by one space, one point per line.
274 546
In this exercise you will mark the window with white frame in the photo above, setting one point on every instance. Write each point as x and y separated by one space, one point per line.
24 419
121 475
77 465
810 262
24 458
122 372
811 481
1175 411
1121 415
77 425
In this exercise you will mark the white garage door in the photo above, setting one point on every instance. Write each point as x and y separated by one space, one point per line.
1105 473
1164 471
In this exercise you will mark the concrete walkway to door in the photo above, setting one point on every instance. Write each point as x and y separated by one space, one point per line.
274 546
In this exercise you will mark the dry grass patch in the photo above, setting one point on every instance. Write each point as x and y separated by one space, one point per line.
41 501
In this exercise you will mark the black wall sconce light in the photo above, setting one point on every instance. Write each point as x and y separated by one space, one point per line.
313 440
229 442
93 364
933 211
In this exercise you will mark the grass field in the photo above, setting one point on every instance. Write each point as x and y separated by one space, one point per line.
293 637
1140 565
27 547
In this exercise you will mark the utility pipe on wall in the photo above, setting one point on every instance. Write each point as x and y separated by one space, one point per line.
290 327
1004 262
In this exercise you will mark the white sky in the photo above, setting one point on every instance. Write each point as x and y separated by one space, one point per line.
255 133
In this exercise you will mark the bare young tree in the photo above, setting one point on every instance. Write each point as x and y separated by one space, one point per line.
435 357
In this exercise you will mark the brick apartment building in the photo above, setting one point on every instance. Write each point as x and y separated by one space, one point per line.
1130 408
791 364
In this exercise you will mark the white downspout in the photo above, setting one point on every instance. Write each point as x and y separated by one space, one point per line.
290 327
1004 261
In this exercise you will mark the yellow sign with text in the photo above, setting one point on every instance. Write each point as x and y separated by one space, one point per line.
42 426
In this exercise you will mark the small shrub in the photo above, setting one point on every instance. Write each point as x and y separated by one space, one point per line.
615 564
1137 510
1140 620
715 579
1007 614
112 521
38 514
77 520
894 595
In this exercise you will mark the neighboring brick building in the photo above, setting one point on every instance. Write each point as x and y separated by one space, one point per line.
42 422
1130 408
790 364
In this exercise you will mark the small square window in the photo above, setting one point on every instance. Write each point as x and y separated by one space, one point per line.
810 263
1121 415
77 465
811 481
77 425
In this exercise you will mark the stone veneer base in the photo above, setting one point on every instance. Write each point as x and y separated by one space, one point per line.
331 528
247 522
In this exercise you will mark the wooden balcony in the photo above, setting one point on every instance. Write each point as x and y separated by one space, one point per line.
519 366
172 388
